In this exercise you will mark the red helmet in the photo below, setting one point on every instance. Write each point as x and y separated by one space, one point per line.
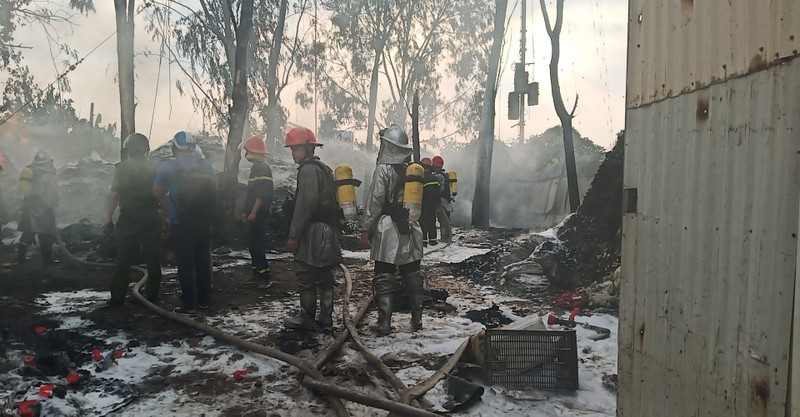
301 136
255 145
425 161
438 162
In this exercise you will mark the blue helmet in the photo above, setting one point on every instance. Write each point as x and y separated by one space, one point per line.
183 141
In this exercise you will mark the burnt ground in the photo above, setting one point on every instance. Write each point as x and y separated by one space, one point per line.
60 352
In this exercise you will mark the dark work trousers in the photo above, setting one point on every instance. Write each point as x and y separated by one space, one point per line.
137 231
388 284
192 247
311 278
46 241
257 244
428 223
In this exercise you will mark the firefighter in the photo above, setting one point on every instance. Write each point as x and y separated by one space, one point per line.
430 203
186 187
396 242
255 212
314 232
446 206
139 223
37 184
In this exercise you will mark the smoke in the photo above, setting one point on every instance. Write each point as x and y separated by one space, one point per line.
528 186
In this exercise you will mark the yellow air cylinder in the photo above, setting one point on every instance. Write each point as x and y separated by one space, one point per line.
346 191
453 175
25 180
412 191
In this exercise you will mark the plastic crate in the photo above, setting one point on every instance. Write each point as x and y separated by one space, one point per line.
541 359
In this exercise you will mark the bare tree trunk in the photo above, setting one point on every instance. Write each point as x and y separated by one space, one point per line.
373 99
273 106
554 32
373 79
240 103
483 171
125 12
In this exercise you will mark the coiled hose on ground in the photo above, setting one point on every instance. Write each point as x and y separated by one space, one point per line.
313 378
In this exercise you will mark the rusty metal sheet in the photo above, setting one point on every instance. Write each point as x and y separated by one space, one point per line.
709 260
680 46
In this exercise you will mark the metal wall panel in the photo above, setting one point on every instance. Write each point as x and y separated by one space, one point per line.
709 259
679 46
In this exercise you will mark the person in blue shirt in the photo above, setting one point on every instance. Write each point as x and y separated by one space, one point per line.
186 187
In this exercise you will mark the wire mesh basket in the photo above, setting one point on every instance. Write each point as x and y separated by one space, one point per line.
541 359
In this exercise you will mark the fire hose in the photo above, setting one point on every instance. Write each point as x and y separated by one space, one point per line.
316 382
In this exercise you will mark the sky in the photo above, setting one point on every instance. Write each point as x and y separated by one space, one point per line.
593 44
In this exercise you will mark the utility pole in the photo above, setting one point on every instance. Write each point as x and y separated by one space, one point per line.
525 93
522 61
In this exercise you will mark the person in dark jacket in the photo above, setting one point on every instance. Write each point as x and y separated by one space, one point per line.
430 203
446 206
139 223
37 184
314 233
186 188
255 212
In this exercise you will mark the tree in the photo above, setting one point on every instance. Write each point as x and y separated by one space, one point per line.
206 37
125 13
239 95
483 171
404 46
554 32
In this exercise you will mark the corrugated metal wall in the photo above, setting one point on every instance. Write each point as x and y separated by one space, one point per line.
710 256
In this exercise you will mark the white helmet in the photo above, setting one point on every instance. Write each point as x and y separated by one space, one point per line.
397 136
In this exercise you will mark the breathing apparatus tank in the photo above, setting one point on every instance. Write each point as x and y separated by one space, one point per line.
346 190
412 191
25 181
453 176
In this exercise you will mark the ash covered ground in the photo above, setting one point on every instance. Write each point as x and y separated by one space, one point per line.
485 279
164 367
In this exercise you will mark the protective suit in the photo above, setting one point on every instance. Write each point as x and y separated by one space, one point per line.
391 247
40 190
315 232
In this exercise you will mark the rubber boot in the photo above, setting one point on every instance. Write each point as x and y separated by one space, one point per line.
385 304
22 251
308 306
415 297
416 311
325 317
47 253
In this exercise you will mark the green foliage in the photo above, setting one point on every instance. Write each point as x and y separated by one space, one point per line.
205 36
418 45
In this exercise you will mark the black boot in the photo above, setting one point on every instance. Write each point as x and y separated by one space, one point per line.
414 283
308 306
22 251
325 317
47 253
385 304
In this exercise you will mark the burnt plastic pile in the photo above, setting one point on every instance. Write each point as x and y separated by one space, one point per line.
589 241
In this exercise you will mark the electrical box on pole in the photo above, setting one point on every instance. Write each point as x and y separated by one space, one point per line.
533 94
513 106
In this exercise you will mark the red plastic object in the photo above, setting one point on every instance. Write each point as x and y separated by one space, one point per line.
73 378
119 353
29 361
97 356
237 375
574 313
26 408
551 320
46 391
40 329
